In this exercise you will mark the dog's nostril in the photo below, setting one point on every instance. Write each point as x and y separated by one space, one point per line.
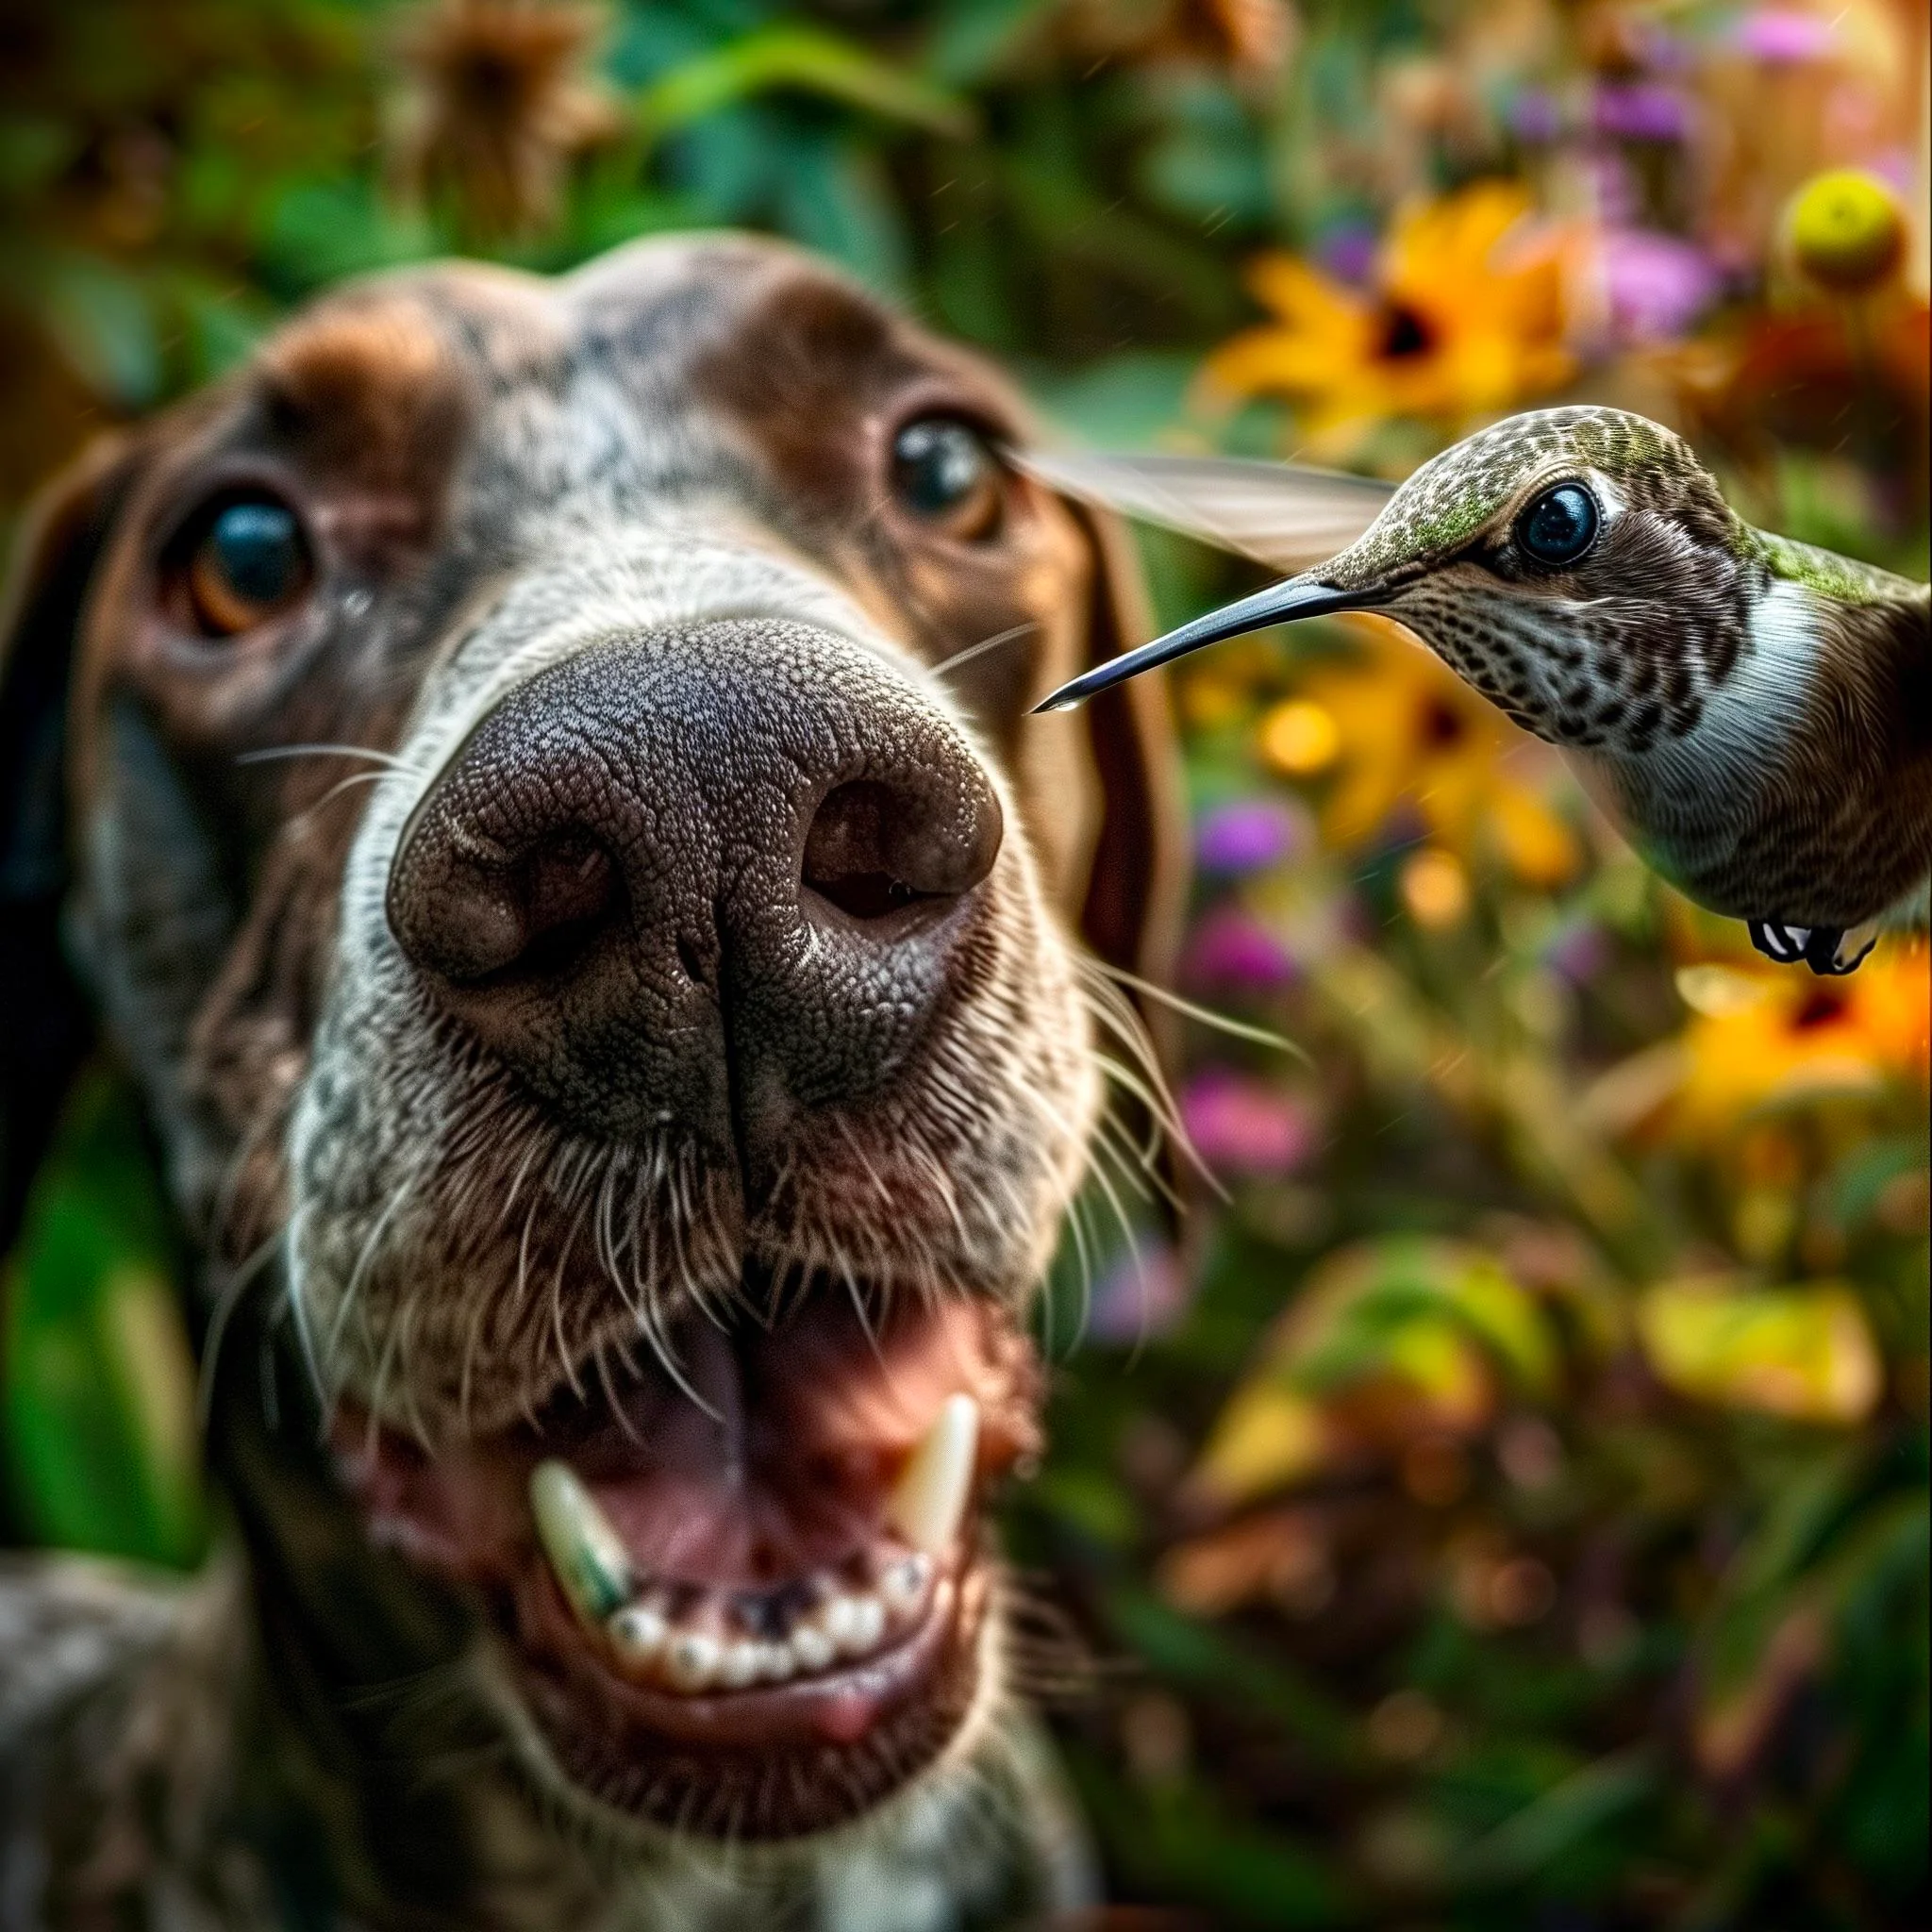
571 890
872 848
488 916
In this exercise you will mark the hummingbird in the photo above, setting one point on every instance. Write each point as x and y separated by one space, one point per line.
1755 713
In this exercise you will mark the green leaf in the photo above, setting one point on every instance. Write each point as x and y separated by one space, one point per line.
811 62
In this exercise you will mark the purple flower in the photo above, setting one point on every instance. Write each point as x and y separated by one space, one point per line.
1535 115
1140 1295
1243 1125
1348 251
1232 948
1657 285
1786 36
1639 110
1579 951
1247 835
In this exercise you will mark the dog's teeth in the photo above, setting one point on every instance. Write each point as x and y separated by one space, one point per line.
929 1498
638 1633
774 1662
855 1623
904 1582
586 1553
812 1647
739 1664
692 1661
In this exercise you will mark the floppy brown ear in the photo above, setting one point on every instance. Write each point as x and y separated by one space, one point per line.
46 1027
1137 882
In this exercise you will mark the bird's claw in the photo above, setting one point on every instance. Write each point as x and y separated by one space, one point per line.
1816 946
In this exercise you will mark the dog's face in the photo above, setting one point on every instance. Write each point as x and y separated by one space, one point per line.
569 913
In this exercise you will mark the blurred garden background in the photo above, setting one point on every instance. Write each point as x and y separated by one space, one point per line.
1506 1506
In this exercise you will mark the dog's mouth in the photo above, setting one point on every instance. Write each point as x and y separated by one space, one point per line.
738 1579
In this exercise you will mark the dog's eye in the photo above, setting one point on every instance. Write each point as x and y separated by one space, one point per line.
248 562
943 472
1558 526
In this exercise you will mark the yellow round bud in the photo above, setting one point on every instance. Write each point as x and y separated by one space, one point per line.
1435 887
1299 739
1847 230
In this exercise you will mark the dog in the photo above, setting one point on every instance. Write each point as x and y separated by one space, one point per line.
534 779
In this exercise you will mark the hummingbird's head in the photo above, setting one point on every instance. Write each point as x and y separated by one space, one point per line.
1578 566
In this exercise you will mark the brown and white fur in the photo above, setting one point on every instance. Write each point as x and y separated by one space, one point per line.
642 516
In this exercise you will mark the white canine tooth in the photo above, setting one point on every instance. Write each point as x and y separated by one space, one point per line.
585 1551
929 1498
774 1662
638 1634
812 1647
904 1582
692 1660
739 1664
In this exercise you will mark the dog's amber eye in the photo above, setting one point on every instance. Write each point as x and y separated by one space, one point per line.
943 472
247 563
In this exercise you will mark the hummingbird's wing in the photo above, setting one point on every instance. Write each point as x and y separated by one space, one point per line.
1280 514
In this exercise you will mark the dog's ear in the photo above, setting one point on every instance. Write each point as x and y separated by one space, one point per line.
46 1030
1137 884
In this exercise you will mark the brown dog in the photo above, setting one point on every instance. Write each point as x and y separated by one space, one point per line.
604 980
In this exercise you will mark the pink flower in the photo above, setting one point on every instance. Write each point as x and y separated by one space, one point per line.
1232 948
1140 1296
1657 285
1243 1126
1786 36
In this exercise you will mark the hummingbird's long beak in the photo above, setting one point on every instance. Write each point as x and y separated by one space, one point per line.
1278 604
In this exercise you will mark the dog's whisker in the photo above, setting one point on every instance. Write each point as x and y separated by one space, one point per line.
946 666
270 754
1205 1016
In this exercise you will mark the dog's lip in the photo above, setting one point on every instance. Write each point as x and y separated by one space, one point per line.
835 1406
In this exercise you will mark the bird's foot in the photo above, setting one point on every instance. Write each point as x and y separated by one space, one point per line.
1817 946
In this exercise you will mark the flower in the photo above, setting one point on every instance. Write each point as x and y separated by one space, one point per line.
1654 285
1786 36
1143 1294
1248 835
498 105
1463 318
1298 739
1435 887
1639 110
1846 229
1777 1036
1232 949
1409 731
1244 1125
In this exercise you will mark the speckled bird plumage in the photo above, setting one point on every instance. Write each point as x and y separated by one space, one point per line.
1755 713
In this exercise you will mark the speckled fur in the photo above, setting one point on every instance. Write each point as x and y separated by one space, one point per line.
1751 710
506 470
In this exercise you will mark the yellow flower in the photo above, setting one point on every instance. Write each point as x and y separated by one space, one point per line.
1800 1036
1407 730
1465 320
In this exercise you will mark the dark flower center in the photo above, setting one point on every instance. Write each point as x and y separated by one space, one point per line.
1442 724
1820 1010
1405 332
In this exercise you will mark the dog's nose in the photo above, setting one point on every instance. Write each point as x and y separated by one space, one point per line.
709 876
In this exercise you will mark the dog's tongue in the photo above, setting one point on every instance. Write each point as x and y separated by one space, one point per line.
771 1454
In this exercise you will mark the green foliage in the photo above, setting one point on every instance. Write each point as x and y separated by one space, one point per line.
1510 1509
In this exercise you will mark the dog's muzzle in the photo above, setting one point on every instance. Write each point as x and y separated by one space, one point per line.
712 876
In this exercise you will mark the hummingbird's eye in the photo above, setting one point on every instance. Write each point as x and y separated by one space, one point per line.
943 472
1558 526
241 562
